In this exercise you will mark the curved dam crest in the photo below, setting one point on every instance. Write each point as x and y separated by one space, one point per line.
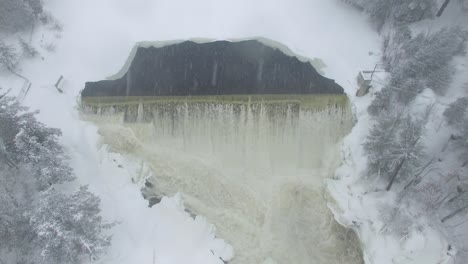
248 152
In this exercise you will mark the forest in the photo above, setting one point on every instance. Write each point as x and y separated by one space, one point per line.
45 216
421 67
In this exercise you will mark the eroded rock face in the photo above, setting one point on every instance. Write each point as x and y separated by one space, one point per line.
215 68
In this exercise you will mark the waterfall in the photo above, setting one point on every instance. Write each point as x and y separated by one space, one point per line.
253 165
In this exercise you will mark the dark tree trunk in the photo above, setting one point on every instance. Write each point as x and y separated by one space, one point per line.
395 173
454 213
442 8
416 177
456 196
465 163
17 74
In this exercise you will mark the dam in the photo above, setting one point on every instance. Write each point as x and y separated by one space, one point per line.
245 132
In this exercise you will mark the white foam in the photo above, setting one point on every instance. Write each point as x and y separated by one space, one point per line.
255 172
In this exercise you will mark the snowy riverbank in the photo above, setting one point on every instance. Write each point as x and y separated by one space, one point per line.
393 228
365 211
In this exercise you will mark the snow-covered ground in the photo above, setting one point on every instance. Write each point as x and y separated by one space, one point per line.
97 38
369 212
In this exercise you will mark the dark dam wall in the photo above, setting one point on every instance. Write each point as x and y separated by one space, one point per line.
214 68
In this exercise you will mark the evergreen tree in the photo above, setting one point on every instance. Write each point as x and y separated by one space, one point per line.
36 146
8 56
28 49
15 15
36 6
19 15
421 62
9 59
394 147
39 224
457 113
68 226
397 12
383 101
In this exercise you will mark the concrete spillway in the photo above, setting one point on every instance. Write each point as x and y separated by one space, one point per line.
254 166
246 132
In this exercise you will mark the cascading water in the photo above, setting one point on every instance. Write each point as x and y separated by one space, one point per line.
253 165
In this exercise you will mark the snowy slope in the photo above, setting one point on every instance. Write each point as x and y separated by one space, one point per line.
365 211
99 35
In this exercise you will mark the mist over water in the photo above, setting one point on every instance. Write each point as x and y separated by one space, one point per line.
253 168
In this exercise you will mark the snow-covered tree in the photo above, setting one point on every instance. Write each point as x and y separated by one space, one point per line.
445 194
15 15
9 59
426 58
408 11
19 15
396 11
36 6
456 200
383 101
379 141
39 224
420 62
457 117
37 146
394 147
457 113
33 145
28 49
68 226
8 56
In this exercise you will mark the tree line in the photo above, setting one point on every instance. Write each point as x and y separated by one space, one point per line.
40 222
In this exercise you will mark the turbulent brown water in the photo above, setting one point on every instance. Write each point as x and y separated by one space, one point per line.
255 168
